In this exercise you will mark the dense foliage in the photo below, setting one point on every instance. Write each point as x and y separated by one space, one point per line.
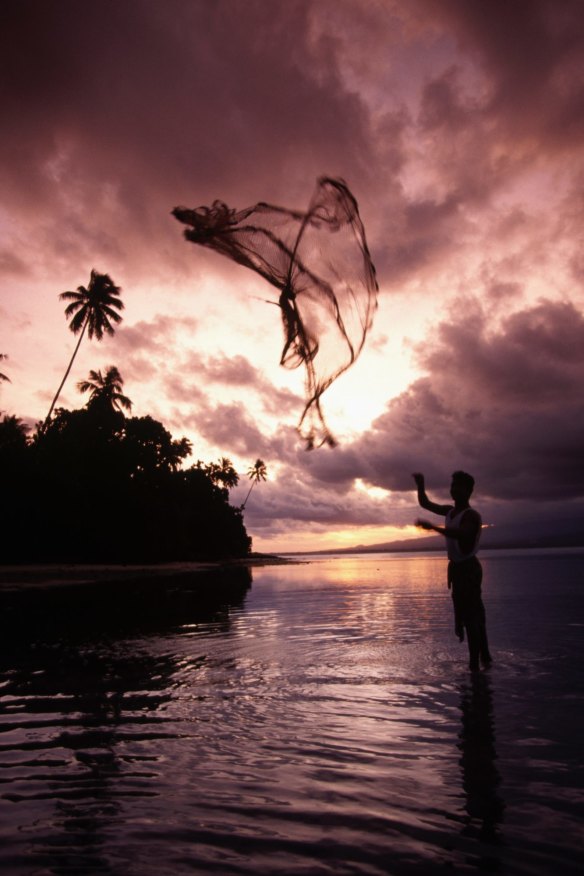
96 486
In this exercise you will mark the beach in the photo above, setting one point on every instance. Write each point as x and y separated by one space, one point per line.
48 575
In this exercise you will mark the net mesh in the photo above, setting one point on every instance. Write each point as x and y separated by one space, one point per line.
320 263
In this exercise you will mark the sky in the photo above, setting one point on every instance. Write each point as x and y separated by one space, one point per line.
458 126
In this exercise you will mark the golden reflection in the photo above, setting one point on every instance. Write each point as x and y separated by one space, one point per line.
423 572
378 594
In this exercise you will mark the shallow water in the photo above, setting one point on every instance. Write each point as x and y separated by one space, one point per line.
323 722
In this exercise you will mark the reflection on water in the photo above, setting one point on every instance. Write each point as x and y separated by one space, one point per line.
84 695
480 777
322 721
70 714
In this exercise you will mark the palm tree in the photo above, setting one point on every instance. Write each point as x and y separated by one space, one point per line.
92 309
105 390
256 472
178 450
226 473
3 376
220 472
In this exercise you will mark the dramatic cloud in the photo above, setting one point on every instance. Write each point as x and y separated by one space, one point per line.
132 108
458 124
503 404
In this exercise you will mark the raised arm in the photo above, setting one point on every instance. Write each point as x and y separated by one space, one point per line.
423 499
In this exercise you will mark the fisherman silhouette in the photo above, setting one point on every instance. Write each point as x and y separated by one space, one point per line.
462 532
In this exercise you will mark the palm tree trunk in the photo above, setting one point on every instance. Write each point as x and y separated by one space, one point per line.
58 393
248 494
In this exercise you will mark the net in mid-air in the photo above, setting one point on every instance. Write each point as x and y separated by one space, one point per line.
320 263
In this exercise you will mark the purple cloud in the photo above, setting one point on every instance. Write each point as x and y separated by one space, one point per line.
504 404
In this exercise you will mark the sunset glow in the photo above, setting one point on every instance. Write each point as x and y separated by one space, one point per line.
457 125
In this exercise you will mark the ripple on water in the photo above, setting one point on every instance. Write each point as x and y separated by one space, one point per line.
327 725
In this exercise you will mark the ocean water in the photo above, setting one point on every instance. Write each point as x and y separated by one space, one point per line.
320 721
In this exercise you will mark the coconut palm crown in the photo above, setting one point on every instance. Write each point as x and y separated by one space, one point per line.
256 473
94 308
105 390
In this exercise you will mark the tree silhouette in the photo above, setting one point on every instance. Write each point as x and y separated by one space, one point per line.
256 472
3 376
101 462
179 450
105 390
13 433
150 447
221 472
92 309
14 446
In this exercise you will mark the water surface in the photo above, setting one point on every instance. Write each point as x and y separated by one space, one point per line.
324 721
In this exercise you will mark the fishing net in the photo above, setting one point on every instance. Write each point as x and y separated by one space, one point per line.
320 263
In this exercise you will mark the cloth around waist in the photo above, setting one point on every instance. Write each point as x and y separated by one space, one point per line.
461 571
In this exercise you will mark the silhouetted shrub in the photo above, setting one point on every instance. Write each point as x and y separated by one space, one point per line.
97 488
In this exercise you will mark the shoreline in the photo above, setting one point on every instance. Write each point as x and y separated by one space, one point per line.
42 576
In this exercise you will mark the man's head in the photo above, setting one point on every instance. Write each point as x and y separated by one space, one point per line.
462 485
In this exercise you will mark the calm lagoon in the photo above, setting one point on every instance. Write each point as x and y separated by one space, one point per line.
321 721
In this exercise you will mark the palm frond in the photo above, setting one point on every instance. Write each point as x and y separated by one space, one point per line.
72 308
78 295
123 400
4 376
78 321
111 313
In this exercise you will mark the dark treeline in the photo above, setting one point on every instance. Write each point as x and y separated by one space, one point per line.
93 485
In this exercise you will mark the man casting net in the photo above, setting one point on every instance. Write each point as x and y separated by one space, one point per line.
320 262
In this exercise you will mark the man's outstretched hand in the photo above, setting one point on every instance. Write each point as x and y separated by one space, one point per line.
425 524
419 479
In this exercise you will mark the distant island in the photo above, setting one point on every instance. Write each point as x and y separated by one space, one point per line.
557 534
